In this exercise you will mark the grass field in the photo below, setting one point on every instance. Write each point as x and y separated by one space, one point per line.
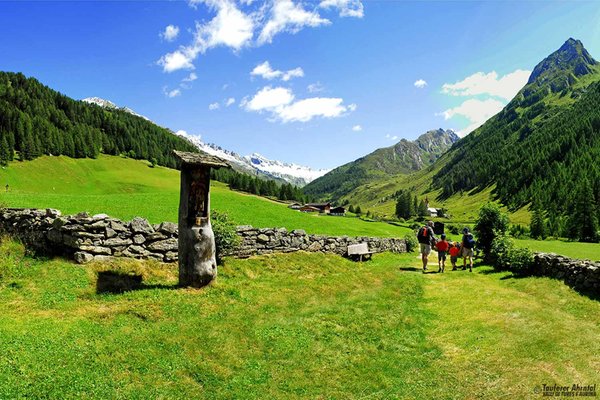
590 251
290 326
126 188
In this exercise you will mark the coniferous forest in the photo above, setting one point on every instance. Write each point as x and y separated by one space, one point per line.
36 120
553 163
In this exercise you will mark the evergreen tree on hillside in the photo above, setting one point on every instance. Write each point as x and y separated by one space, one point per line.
537 227
583 224
5 153
423 209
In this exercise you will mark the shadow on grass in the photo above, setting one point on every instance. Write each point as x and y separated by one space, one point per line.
116 283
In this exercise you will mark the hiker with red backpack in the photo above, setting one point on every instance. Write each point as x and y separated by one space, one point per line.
426 240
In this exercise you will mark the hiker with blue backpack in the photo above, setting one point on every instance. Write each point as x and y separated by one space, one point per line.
426 240
467 246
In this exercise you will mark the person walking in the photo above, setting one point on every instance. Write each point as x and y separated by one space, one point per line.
426 239
442 249
467 245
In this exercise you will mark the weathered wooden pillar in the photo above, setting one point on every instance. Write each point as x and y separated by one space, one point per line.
197 261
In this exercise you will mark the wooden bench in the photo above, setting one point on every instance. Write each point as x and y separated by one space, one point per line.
360 250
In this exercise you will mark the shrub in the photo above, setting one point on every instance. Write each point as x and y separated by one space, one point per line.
453 229
411 242
506 257
491 223
226 238
415 226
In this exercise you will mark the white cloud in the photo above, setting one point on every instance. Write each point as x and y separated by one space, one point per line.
315 87
285 16
480 83
476 111
171 93
388 136
348 8
170 33
420 83
269 99
266 72
213 106
230 27
175 61
281 103
307 109
191 77
357 128
229 101
247 23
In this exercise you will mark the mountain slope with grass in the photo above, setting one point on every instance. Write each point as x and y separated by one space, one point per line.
402 158
541 148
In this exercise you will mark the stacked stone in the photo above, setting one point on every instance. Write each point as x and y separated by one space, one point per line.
29 226
278 240
583 275
91 238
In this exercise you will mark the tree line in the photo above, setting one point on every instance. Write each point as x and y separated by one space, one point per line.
36 120
258 186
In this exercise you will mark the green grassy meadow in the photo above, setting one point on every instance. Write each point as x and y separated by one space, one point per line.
126 188
290 326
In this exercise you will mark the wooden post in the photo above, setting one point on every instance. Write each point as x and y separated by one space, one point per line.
197 261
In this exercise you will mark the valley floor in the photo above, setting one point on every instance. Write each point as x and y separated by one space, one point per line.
289 326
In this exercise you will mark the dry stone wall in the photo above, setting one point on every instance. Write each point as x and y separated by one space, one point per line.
278 240
87 238
583 275
99 237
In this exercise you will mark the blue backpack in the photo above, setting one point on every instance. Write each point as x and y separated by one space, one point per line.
470 242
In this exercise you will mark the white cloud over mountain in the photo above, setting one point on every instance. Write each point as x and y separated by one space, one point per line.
476 111
480 83
488 94
281 104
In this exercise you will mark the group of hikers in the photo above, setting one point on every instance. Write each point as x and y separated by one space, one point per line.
427 241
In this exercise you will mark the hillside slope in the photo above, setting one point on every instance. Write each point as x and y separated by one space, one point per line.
544 146
402 158
36 120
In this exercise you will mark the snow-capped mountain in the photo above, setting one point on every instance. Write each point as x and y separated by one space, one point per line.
257 164
109 104
254 164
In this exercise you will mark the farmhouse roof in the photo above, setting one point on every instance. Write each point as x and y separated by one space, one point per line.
200 159
318 205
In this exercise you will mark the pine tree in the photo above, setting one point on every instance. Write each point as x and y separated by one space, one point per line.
423 208
583 223
5 154
537 227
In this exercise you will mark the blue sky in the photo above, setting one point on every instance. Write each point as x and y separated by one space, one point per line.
343 78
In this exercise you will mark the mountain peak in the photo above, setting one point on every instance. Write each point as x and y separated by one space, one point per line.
561 69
